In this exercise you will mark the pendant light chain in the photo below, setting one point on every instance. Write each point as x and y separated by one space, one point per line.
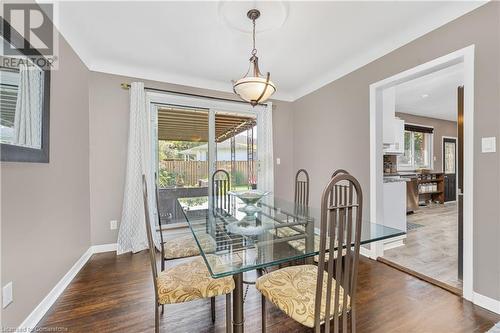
254 51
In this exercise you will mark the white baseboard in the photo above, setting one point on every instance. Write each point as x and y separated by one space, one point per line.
103 248
37 314
486 302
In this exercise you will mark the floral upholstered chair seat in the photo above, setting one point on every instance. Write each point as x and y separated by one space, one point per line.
191 281
293 291
186 246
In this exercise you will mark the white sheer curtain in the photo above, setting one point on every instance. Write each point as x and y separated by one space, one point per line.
132 233
28 116
265 174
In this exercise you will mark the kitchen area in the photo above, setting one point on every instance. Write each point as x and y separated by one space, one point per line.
420 168
421 188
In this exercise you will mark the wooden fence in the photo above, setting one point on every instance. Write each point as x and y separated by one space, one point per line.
191 173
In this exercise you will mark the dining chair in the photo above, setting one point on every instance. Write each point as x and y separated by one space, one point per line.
332 196
187 281
299 245
183 246
221 202
310 294
301 204
221 185
301 192
301 198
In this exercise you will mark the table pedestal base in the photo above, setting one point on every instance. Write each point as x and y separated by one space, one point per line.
238 321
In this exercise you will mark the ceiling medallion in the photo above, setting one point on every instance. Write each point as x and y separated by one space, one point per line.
254 87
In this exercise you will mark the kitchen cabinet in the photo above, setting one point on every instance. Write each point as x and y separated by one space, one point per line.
398 145
393 128
395 205
394 210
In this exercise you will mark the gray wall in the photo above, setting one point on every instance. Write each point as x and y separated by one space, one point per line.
109 108
45 207
331 126
441 128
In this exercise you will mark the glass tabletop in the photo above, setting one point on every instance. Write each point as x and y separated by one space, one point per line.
238 237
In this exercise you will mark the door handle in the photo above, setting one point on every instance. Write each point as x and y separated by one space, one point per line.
460 192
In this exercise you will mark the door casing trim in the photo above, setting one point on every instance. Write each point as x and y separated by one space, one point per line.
465 56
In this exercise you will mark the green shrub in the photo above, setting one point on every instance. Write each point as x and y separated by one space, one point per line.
166 178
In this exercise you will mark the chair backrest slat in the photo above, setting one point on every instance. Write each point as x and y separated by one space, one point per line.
336 172
157 198
152 252
348 280
341 220
332 217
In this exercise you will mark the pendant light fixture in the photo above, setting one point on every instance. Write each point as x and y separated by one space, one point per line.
254 87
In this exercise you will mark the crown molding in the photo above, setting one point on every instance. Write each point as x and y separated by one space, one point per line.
438 20
163 76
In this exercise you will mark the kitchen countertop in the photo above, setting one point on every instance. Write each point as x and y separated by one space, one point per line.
396 180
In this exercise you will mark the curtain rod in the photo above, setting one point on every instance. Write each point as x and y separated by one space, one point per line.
127 86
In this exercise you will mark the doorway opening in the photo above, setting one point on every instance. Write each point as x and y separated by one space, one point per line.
418 179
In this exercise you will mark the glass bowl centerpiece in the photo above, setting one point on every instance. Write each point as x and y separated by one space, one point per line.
250 198
249 225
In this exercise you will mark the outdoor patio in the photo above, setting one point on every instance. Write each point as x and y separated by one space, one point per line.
187 175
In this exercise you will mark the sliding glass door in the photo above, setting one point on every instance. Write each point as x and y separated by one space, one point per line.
182 162
235 147
193 138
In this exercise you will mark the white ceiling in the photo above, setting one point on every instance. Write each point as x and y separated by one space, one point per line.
433 95
304 45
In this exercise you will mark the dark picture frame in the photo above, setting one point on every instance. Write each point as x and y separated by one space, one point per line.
13 153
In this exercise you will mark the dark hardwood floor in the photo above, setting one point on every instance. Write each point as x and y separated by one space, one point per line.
115 294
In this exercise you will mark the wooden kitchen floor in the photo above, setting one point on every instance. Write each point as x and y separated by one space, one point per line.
432 249
115 294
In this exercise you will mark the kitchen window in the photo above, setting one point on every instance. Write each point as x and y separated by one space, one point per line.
417 149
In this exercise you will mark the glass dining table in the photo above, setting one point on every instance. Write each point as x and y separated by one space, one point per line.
233 239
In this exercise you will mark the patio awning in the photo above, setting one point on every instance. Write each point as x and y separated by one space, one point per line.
179 124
